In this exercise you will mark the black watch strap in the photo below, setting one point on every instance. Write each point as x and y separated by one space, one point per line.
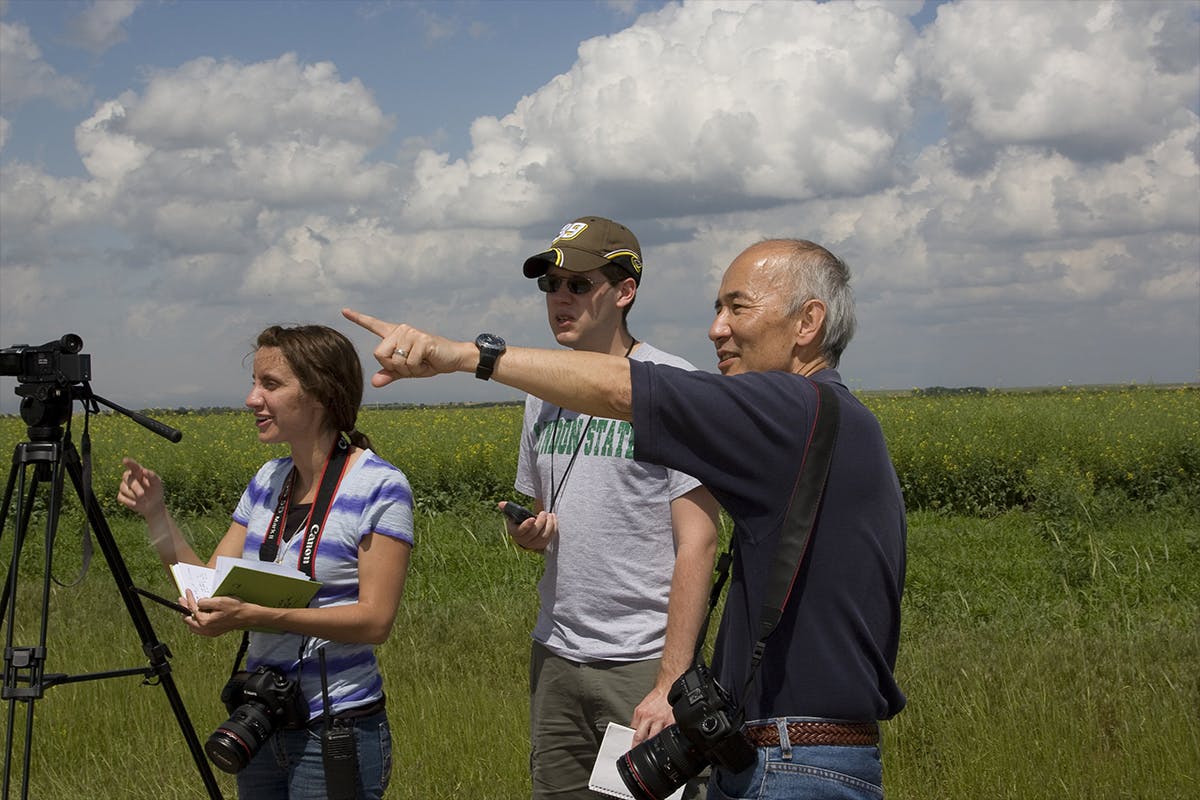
491 347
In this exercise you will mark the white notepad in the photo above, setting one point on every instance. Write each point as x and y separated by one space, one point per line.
605 779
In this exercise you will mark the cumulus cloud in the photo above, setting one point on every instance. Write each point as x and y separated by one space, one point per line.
1096 81
25 75
204 101
719 105
207 147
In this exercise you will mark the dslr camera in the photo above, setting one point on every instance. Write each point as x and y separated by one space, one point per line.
259 703
707 730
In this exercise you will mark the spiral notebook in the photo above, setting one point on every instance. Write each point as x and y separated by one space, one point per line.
605 778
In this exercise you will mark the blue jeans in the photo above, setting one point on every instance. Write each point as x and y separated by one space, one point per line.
289 766
823 772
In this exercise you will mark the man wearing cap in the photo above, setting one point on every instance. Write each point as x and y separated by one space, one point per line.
628 546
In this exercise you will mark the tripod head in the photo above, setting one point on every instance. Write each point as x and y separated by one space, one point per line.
50 377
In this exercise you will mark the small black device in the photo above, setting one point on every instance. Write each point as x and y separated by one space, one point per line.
339 748
339 752
259 703
491 347
707 731
517 513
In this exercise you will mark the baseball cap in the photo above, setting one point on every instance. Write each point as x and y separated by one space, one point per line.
589 243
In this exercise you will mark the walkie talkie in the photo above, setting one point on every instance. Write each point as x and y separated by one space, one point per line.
339 750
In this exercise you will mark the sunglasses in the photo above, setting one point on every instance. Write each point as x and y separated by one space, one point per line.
576 285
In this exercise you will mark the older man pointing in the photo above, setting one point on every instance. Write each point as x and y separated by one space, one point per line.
784 314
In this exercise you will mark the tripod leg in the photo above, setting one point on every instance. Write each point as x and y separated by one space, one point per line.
24 512
157 652
24 666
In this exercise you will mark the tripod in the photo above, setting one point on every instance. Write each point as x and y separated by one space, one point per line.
49 454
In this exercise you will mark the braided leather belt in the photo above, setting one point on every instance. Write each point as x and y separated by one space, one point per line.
815 733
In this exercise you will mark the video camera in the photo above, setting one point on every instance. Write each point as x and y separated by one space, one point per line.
54 362
45 375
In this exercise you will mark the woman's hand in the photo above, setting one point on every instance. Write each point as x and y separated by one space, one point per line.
214 616
141 490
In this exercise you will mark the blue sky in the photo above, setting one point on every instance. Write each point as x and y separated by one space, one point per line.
435 66
1015 185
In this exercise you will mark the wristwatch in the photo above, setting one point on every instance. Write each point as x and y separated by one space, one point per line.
491 347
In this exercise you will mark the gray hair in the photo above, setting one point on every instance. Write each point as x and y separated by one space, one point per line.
814 273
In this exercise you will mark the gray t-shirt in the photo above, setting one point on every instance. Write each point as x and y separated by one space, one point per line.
608 572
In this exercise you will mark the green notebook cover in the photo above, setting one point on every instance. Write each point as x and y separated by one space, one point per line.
259 582
266 588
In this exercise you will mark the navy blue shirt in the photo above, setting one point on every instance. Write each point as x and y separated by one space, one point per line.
743 436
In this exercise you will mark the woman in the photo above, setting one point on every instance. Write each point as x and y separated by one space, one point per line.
307 387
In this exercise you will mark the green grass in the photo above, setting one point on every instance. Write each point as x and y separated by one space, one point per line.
1041 658
1044 665
1051 617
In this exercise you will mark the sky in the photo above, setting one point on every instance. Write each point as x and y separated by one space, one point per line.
1015 185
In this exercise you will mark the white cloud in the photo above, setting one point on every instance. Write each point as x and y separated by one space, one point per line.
204 101
108 154
718 105
35 206
1092 80
98 26
192 162
25 75
324 256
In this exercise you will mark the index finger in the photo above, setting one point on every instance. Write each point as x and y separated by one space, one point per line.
136 471
375 326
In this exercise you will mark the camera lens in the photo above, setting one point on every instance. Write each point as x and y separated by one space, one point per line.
660 765
233 744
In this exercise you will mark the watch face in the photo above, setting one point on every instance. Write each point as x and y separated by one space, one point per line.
489 341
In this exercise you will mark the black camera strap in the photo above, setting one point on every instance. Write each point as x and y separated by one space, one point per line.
331 478
555 494
801 518
795 534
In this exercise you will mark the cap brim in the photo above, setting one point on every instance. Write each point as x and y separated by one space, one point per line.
567 258
539 265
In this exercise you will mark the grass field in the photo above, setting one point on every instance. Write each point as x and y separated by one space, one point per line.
1051 618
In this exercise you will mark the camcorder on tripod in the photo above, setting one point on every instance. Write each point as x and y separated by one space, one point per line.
50 378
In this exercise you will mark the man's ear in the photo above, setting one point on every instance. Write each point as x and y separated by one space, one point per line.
810 323
626 291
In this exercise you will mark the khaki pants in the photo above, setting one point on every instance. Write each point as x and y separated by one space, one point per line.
570 706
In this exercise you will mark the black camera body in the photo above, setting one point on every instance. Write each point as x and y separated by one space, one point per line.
710 719
707 730
259 703
53 362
